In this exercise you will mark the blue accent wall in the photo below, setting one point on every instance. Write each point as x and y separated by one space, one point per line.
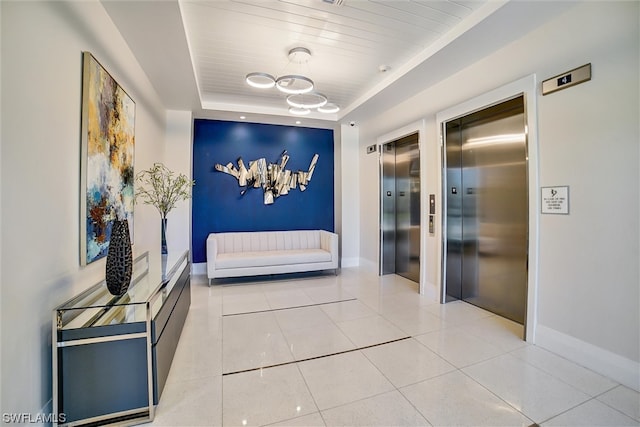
217 205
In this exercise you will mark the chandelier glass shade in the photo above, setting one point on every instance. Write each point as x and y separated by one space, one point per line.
307 100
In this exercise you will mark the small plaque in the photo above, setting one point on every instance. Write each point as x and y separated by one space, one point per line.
555 200
568 79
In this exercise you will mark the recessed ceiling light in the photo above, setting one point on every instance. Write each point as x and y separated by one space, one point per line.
242 117
384 68
298 122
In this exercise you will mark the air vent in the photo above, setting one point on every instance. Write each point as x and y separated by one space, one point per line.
335 2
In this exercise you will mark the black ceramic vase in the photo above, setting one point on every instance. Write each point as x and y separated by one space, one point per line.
119 258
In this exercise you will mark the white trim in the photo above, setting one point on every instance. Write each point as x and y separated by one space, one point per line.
618 368
350 262
418 127
199 268
527 86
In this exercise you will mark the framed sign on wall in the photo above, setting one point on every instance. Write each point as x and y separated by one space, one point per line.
555 200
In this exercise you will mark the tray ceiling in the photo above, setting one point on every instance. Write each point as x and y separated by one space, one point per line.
364 53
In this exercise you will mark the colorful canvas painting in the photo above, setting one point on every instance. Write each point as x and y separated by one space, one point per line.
108 136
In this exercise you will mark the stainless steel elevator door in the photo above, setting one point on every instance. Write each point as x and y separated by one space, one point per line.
401 208
408 209
487 209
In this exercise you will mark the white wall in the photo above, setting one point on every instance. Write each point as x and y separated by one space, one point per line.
178 159
1 263
350 208
42 44
588 139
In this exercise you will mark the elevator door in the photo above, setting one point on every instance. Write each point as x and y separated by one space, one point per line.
487 209
401 208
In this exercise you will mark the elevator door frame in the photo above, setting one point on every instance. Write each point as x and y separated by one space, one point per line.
418 127
487 230
391 241
524 87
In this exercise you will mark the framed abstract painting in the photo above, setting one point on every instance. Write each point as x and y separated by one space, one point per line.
107 152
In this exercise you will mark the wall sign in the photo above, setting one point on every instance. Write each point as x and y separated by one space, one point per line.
567 79
555 200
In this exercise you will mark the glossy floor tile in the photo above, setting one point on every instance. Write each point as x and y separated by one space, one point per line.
624 400
371 330
362 350
388 409
265 396
456 399
459 347
343 378
538 395
591 413
407 362
581 378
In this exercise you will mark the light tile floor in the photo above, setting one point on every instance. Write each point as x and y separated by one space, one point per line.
362 350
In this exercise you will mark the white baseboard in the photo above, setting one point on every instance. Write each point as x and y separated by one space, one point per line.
199 268
618 368
349 262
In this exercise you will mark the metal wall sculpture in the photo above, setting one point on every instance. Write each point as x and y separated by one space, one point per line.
274 179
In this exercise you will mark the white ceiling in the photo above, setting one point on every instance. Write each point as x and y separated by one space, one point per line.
197 53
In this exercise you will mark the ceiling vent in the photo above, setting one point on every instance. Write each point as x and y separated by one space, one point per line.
335 2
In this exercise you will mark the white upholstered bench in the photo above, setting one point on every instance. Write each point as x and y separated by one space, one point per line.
270 252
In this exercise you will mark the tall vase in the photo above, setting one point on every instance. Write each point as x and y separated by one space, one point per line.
163 236
119 258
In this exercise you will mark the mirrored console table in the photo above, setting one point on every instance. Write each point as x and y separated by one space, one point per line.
112 354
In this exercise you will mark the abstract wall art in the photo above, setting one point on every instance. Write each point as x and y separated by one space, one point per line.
107 152
274 179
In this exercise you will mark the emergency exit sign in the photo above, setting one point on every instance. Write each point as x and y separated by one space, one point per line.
567 79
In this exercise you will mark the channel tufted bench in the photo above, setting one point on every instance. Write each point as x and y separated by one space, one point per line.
270 252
